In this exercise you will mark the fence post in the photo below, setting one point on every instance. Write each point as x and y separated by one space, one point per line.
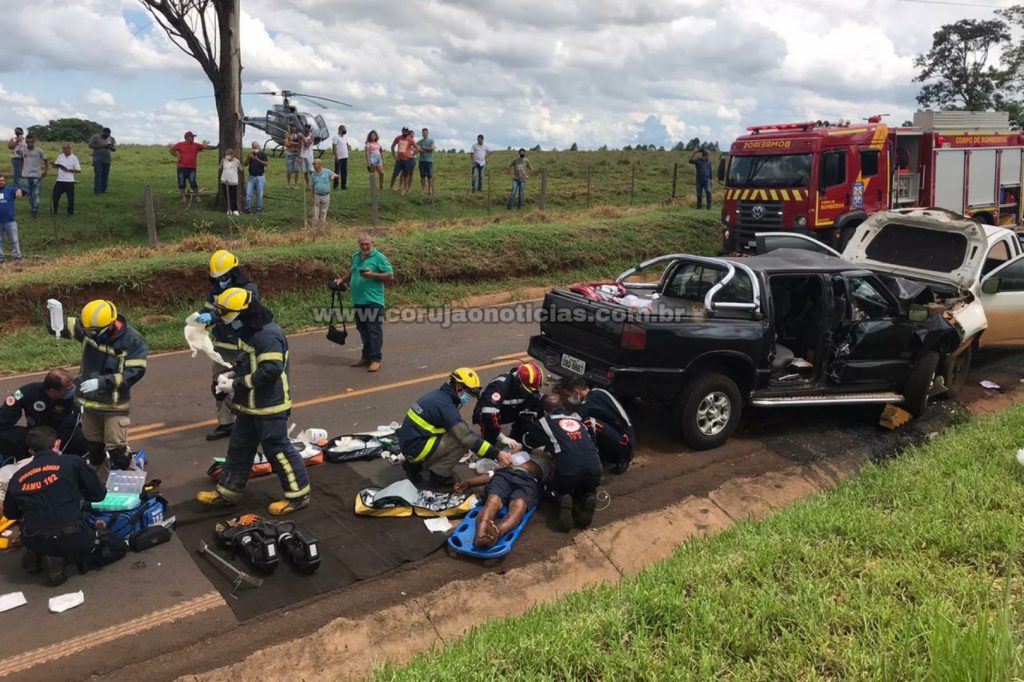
147 198
632 183
374 215
490 197
590 173
543 187
675 177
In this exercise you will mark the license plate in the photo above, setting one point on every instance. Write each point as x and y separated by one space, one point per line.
574 365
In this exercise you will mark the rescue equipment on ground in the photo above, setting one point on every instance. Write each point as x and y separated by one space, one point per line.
131 513
260 543
334 334
402 499
311 456
462 538
239 578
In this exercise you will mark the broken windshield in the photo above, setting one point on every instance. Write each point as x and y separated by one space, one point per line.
788 170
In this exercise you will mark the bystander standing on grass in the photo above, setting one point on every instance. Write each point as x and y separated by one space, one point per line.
520 168
8 225
34 170
479 153
291 155
68 167
320 187
230 167
101 144
307 140
16 144
340 146
187 154
257 182
426 149
374 157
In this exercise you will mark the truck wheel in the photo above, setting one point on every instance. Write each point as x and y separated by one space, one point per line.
708 410
956 372
919 383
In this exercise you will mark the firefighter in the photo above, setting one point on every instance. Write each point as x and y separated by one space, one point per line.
512 398
113 360
577 469
50 402
606 418
435 435
259 388
47 495
224 274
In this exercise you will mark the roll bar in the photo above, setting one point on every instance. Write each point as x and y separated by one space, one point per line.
709 300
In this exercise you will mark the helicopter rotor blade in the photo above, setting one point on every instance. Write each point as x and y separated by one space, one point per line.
185 99
312 102
326 99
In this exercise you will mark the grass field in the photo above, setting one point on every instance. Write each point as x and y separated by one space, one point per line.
909 571
118 217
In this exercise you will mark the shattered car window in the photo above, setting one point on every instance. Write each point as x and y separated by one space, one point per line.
868 302
693 281
916 247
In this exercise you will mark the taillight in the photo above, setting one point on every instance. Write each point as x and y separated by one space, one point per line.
611 375
633 337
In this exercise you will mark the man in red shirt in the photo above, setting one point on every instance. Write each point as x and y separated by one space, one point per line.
187 153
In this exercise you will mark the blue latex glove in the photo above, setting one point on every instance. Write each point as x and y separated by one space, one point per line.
204 318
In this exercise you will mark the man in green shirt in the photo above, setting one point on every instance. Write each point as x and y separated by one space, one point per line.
426 148
370 270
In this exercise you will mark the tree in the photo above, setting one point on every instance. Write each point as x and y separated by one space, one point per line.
208 31
535 148
574 148
65 130
603 148
693 145
956 70
679 147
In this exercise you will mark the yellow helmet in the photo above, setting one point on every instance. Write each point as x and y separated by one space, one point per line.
231 302
468 378
98 314
222 262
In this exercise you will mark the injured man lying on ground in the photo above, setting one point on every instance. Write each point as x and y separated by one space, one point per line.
517 487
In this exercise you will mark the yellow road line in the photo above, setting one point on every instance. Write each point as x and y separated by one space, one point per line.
323 399
144 427
53 652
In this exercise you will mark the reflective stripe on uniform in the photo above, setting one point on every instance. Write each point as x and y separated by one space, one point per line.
297 494
263 411
428 447
489 410
289 472
547 429
135 363
267 357
103 407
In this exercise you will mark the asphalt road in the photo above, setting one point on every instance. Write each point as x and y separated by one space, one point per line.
162 595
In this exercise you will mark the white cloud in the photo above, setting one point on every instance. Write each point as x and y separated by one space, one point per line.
533 71
100 98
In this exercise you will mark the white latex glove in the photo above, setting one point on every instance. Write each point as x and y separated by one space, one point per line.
225 383
89 385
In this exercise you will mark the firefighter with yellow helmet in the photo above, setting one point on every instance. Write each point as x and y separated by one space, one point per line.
113 361
260 391
224 274
434 434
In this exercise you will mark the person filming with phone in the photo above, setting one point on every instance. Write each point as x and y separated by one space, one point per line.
370 270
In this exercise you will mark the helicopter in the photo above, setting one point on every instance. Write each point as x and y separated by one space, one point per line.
280 116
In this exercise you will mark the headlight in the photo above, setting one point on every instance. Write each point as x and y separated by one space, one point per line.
801 221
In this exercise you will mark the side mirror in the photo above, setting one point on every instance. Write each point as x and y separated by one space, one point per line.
721 169
990 285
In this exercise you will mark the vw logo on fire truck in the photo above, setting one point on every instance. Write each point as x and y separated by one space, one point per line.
757 213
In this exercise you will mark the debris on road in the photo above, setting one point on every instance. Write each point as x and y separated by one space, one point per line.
64 602
894 417
12 600
990 385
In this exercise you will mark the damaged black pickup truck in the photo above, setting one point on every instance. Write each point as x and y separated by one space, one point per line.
714 335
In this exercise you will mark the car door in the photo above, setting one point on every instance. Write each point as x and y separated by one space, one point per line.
1002 297
771 241
874 345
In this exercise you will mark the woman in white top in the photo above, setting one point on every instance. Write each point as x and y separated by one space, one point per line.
230 168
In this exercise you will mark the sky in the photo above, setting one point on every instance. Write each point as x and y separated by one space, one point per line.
527 72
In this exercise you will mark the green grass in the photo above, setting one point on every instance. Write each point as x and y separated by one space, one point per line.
118 218
434 268
908 571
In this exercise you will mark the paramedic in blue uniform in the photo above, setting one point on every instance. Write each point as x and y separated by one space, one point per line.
224 274
577 469
512 398
47 495
434 434
606 418
260 390
50 402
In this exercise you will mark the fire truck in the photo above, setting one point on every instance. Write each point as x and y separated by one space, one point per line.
823 180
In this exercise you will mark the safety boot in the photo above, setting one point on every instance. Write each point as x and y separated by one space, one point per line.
282 507
564 522
373 367
31 561
55 573
585 516
221 431
218 497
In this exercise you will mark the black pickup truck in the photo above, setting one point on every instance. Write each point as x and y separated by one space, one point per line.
714 335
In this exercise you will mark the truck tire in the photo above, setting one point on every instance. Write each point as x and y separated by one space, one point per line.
707 410
956 372
919 384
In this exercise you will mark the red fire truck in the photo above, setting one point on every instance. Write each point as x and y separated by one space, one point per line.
823 180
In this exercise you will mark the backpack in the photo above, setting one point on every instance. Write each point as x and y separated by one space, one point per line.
140 528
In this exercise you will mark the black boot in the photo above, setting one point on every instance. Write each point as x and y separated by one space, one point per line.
222 431
55 573
414 472
31 561
564 523
585 515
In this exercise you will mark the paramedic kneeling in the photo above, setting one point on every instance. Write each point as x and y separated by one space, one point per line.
47 495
